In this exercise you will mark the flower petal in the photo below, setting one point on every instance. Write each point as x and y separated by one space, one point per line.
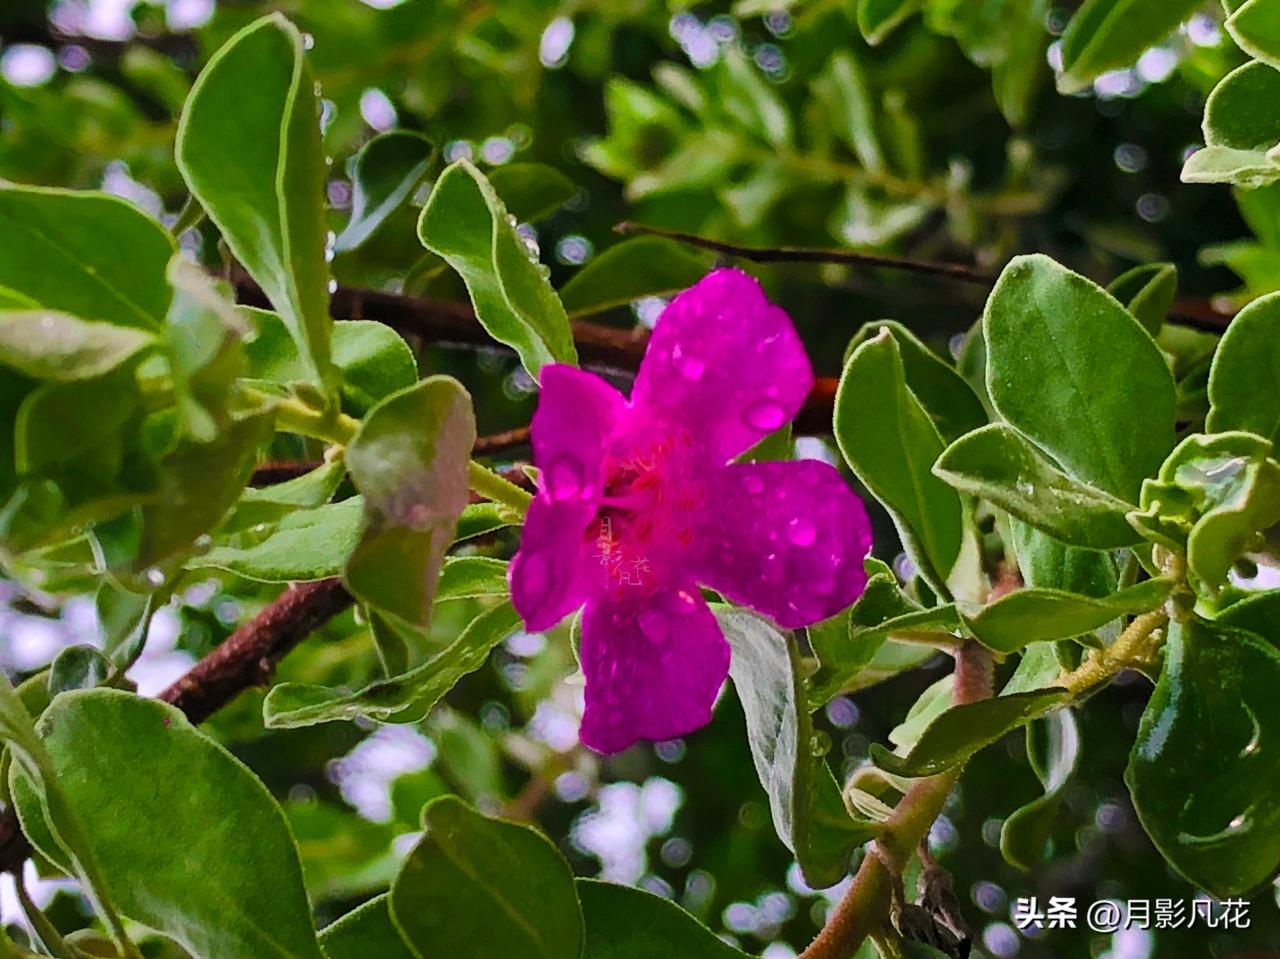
577 413
654 666
550 576
576 416
785 538
724 362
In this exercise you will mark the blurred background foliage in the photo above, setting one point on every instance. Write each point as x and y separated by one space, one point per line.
761 122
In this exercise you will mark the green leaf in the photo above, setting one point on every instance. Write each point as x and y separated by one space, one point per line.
472 577
410 460
638 267
1111 34
135 767
890 443
1000 465
50 806
54 346
808 813
307 544
199 484
1207 757
531 191
54 253
963 730
1065 394
1213 499
476 888
1241 130
1053 750
1030 615
853 116
203 335
1255 26
879 18
848 644
950 402
1046 562
1249 354
1147 292
373 360
78 667
401 699
384 175
465 223
1007 37
125 618
364 933
626 923
249 148
259 507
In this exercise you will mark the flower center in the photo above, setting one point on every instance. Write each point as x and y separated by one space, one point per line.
650 499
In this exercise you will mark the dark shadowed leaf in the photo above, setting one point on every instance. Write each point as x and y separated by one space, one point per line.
384 175
808 814
626 923
638 267
477 888
1110 34
1207 757
365 933
1147 292
1053 750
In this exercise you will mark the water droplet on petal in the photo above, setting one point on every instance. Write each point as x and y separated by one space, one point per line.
753 485
565 478
690 367
534 577
764 415
802 532
654 625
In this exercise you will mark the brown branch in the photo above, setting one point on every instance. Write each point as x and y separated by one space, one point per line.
800 254
865 907
247 658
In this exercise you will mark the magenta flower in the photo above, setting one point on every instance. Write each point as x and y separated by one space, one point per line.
640 505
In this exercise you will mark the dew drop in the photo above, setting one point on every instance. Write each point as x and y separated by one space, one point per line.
535 577
764 415
753 485
690 367
801 531
154 576
654 625
565 478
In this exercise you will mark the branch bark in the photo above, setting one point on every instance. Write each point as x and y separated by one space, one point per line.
865 907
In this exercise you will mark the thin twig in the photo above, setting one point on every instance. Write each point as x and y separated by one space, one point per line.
800 254
865 906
